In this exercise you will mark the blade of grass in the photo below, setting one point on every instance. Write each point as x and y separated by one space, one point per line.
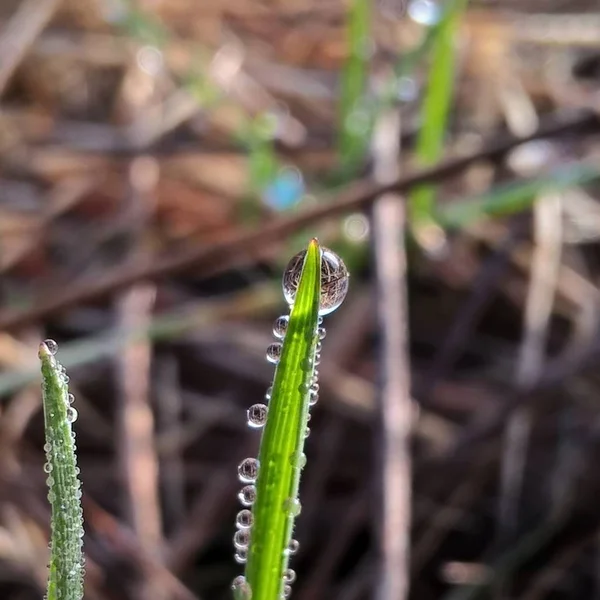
434 117
280 456
65 581
355 120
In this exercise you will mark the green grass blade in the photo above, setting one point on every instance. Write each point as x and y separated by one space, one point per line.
354 118
65 581
515 197
281 448
434 117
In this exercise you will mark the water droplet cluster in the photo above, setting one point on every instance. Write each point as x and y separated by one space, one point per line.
64 487
334 287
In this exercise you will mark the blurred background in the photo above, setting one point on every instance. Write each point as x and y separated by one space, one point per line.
160 163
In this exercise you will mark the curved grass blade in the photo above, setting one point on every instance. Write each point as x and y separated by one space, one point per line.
280 456
65 581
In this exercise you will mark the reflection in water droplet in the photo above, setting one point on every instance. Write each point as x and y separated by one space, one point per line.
334 280
289 576
247 495
241 589
244 519
274 352
424 12
52 346
241 539
280 326
257 416
248 470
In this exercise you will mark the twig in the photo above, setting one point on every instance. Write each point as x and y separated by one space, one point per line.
232 248
395 401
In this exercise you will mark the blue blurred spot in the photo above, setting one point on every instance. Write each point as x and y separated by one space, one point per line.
285 191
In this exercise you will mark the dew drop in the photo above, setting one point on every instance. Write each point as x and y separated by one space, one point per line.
293 506
317 360
72 414
52 346
314 388
302 461
274 352
334 280
241 539
65 379
47 447
306 432
247 495
47 467
287 591
321 333
293 546
319 347
241 556
241 588
280 326
313 398
244 519
70 398
248 470
257 416
289 576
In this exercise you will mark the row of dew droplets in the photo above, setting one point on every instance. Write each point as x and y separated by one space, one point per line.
67 518
334 287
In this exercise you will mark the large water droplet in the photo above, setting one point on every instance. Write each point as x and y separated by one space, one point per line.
244 519
247 495
274 352
257 416
52 346
334 280
241 539
289 576
248 470
424 12
241 588
280 326
72 414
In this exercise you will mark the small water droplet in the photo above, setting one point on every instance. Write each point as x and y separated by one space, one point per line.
241 539
293 547
241 588
269 393
424 12
248 470
318 346
289 576
241 556
70 398
293 506
49 481
72 414
334 280
317 360
306 432
287 591
52 346
47 467
244 519
274 352
302 461
315 376
257 416
321 333
65 379
47 447
313 399
247 495
280 326
314 388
